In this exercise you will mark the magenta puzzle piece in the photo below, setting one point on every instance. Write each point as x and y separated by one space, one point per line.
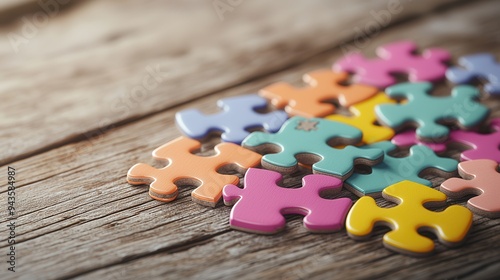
483 146
260 205
394 58
409 138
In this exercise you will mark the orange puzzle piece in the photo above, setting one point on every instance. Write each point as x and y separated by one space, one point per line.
185 168
324 85
481 179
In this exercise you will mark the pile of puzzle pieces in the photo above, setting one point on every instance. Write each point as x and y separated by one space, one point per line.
302 130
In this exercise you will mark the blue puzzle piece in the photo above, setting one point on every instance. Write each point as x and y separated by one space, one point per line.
307 141
482 65
426 111
394 170
238 114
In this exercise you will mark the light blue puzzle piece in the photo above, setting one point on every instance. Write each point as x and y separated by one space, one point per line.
481 65
238 114
308 141
425 111
394 170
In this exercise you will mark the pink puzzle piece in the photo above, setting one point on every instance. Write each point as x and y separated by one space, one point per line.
409 138
397 57
481 179
483 146
260 205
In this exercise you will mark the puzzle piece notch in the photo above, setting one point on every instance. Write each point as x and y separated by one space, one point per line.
397 57
364 119
324 85
392 170
424 110
311 147
481 178
409 138
482 146
482 65
260 205
237 116
185 168
409 216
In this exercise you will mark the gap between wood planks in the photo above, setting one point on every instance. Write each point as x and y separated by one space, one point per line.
12 10
314 53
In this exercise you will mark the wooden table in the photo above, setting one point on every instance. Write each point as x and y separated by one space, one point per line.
90 88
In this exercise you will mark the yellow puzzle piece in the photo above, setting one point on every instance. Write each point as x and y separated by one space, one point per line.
364 119
408 217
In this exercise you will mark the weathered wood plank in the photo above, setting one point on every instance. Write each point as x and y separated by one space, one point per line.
78 216
107 62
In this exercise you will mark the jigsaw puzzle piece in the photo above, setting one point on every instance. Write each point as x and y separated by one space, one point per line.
259 207
481 178
397 57
237 116
185 168
408 218
425 111
392 170
308 141
365 119
482 65
482 146
324 86
409 138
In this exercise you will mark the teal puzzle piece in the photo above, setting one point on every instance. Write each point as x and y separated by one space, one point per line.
394 170
425 111
310 141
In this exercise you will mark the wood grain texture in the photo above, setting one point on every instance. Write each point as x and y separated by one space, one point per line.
79 218
89 68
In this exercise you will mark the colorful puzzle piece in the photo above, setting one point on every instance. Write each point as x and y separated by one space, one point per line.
237 116
409 138
324 85
408 217
393 170
484 146
184 168
482 65
307 140
481 179
261 204
425 111
393 58
364 119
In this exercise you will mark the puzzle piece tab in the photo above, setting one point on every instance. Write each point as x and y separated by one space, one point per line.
364 119
308 141
261 204
425 111
397 57
237 116
483 146
408 217
482 65
409 138
393 170
481 179
324 85
185 168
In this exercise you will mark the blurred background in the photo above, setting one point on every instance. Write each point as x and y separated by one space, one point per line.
73 67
